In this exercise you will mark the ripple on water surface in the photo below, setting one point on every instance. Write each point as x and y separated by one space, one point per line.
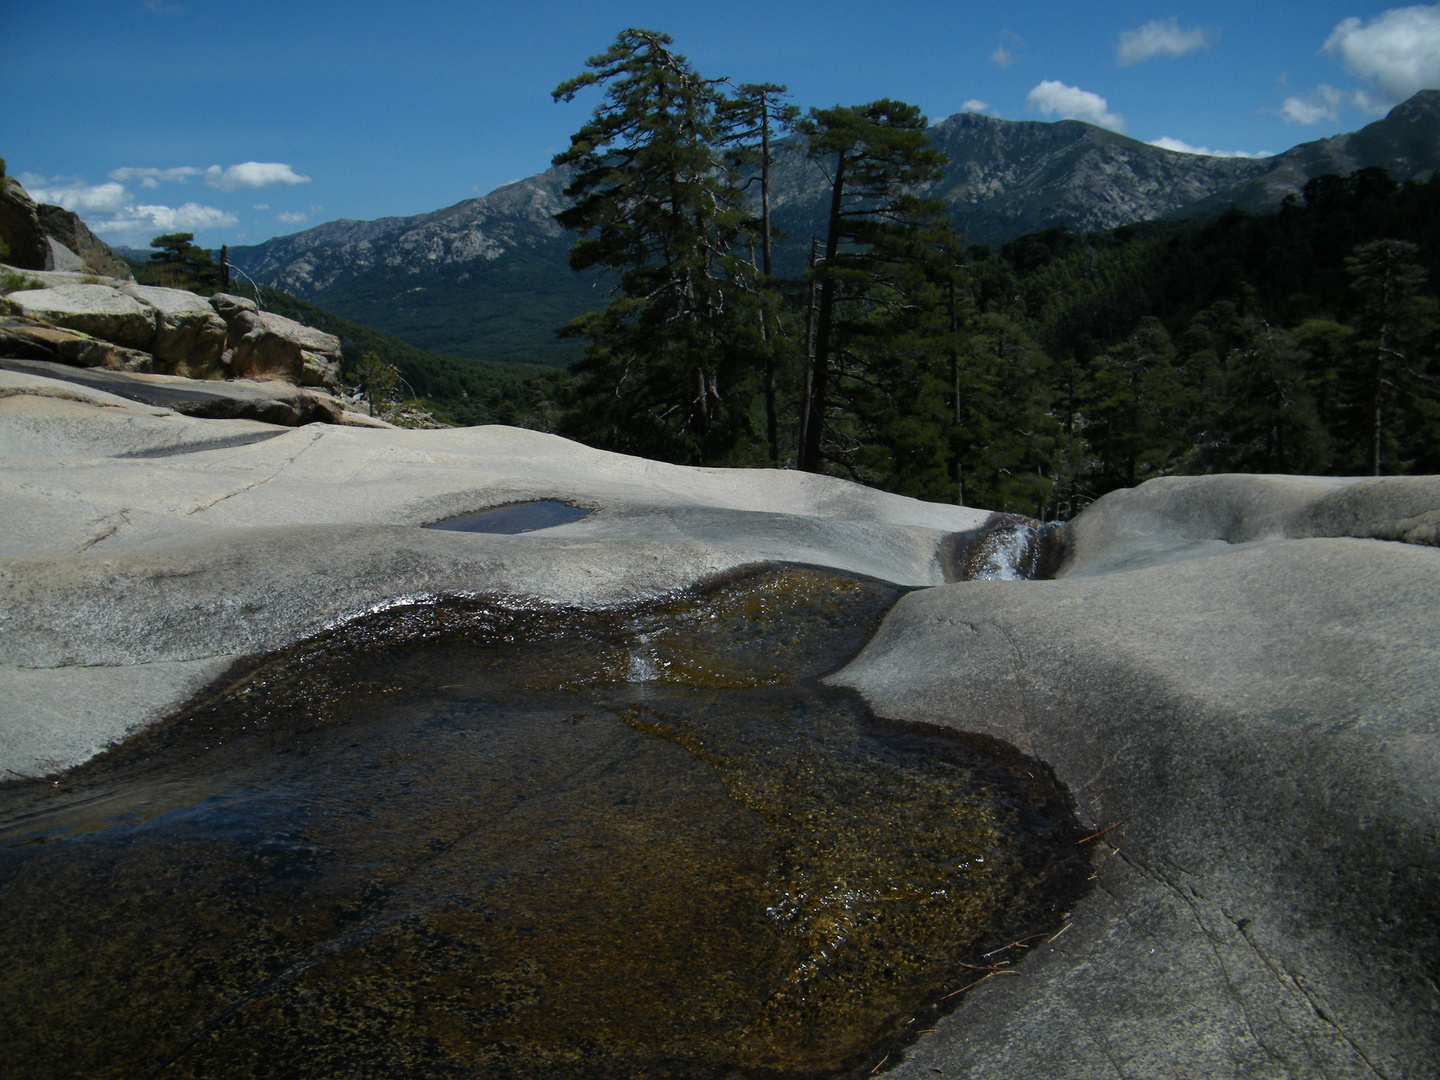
477 839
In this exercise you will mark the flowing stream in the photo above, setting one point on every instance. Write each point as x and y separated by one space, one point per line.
493 839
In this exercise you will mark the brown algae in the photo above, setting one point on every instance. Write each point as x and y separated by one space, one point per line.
476 839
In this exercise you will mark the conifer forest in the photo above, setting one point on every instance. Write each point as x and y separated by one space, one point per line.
1030 379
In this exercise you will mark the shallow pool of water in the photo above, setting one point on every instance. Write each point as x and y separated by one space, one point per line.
490 839
516 517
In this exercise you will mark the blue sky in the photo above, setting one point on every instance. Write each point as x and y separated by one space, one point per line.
247 119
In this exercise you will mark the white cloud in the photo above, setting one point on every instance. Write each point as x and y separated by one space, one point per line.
975 105
1159 39
249 174
292 217
1398 50
111 210
74 194
1325 102
252 174
262 206
1182 147
179 175
1054 98
1004 54
139 223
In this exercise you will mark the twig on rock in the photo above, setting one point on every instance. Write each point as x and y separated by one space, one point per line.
1102 832
976 983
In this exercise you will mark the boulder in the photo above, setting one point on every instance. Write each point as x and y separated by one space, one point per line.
97 310
260 343
44 237
270 402
64 228
189 336
60 257
20 229
49 279
30 339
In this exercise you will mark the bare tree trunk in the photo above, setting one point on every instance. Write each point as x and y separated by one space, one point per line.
810 451
956 468
809 351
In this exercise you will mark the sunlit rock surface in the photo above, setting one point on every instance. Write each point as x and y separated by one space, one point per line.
140 541
1247 697
1236 677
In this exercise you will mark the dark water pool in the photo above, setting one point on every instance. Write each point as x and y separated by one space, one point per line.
516 518
485 840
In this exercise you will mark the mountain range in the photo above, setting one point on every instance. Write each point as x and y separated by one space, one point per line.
487 278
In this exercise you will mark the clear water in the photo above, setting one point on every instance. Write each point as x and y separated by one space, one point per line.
479 839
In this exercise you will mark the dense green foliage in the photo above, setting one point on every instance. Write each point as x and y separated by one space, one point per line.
457 391
1300 341
659 215
506 310
179 263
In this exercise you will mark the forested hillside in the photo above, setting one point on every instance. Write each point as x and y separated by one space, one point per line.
457 391
1032 379
1296 342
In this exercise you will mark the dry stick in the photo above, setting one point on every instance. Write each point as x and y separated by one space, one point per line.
33 779
876 1069
976 983
1061 931
1102 832
1020 944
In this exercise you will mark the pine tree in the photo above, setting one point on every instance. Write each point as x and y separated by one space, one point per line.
178 263
885 251
750 122
1394 393
658 211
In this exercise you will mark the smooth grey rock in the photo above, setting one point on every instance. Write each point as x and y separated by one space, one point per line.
97 310
189 335
1259 726
65 228
1249 721
271 401
60 257
1179 514
74 714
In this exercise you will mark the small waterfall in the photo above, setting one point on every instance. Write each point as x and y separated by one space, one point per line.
1008 547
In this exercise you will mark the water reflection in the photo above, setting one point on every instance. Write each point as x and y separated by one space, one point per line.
516 518
461 839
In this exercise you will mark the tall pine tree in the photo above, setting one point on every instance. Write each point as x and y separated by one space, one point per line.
657 210
886 251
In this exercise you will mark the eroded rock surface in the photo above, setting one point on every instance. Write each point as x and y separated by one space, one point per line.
97 310
1253 718
261 343
187 335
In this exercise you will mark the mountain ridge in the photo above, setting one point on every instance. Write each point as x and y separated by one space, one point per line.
487 277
